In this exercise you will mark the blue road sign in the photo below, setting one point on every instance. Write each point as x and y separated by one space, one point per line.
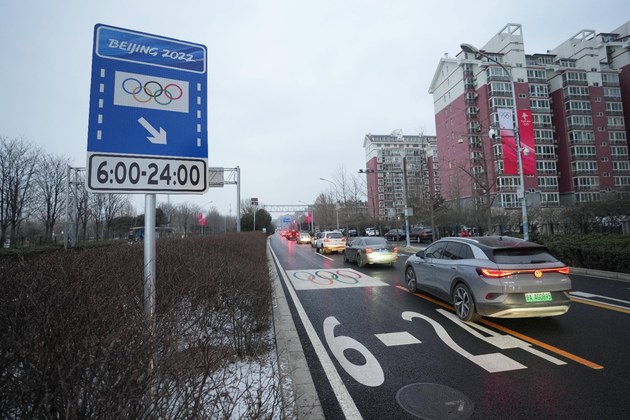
147 127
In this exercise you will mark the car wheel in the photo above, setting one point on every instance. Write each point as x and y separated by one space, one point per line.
464 304
360 260
410 279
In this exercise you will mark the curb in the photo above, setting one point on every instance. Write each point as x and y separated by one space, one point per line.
299 399
609 275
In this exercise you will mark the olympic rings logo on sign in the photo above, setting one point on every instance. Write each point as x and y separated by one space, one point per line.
152 90
326 278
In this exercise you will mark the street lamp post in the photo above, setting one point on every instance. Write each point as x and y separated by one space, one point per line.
336 198
467 48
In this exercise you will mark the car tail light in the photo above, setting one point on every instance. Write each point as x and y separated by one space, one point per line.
395 249
493 273
488 272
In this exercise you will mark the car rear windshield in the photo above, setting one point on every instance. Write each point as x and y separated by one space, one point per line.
523 256
376 241
334 235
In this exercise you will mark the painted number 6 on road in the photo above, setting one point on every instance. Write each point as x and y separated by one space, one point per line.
368 374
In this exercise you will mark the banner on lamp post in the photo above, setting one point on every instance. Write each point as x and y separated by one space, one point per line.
510 159
506 122
526 137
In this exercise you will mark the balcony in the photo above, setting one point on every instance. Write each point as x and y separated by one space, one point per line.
498 78
574 82
576 126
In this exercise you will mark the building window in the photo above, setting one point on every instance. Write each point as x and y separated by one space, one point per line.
540 105
573 77
578 106
538 90
581 137
545 167
549 198
536 74
587 197
612 92
582 152
586 182
584 167
615 123
545 152
617 152
614 108
621 166
509 200
548 183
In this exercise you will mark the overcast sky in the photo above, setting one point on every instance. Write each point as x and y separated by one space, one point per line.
293 85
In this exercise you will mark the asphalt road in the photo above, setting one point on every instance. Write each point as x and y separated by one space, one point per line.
376 351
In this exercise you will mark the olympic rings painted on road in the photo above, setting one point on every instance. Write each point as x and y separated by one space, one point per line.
153 90
328 276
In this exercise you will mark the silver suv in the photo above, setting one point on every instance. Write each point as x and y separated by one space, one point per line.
495 276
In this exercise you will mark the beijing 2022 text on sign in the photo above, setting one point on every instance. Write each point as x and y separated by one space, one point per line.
147 129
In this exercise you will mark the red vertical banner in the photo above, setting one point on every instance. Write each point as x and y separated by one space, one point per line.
510 161
526 136
309 217
201 221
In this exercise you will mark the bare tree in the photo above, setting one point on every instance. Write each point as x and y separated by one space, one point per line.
82 203
112 207
50 185
18 163
185 218
97 213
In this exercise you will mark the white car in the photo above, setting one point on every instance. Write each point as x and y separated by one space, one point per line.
330 241
372 232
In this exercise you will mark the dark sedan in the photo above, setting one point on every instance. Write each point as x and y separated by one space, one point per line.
395 235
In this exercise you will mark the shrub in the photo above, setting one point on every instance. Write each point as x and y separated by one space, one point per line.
597 252
76 341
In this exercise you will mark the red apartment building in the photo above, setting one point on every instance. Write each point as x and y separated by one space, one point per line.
579 97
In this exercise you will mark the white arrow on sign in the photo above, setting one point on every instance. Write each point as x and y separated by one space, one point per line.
155 137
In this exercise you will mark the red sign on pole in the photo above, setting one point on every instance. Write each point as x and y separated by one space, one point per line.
526 136
510 162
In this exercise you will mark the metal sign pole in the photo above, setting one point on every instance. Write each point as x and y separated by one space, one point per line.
149 258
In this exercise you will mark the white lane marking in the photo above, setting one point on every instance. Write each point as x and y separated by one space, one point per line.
589 296
346 402
499 340
323 256
397 339
492 362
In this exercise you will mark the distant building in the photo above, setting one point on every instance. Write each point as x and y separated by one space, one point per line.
579 97
386 156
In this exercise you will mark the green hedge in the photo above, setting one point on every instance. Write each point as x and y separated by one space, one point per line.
597 251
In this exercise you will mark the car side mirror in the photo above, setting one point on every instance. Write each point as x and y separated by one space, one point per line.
420 253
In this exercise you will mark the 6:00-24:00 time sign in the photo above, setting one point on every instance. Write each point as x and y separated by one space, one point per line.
149 174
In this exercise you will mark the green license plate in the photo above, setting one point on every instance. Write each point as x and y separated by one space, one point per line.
538 297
